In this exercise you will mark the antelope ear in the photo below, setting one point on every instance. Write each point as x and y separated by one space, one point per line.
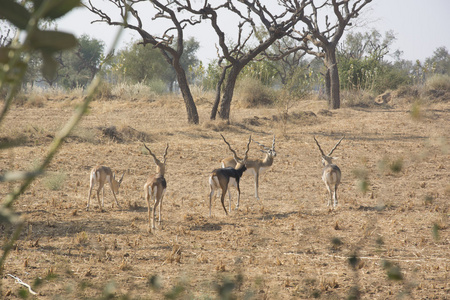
334 158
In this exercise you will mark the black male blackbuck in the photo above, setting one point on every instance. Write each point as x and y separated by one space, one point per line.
101 175
155 188
255 166
331 174
224 178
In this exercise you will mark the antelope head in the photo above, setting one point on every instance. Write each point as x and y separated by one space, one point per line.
269 151
328 159
240 162
160 166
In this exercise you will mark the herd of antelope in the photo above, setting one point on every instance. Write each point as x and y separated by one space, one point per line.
221 179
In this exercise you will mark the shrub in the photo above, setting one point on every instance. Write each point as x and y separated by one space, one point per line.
439 82
357 98
251 92
104 91
54 181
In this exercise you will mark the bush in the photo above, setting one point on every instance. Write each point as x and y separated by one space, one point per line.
54 181
158 86
251 93
357 98
390 78
439 82
104 91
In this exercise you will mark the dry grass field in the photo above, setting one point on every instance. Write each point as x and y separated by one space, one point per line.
388 239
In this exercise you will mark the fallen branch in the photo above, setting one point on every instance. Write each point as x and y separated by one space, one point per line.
19 281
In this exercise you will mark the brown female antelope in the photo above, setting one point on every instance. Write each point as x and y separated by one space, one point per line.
331 173
225 177
101 175
255 166
155 187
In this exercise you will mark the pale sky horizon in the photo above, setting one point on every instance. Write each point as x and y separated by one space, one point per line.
420 27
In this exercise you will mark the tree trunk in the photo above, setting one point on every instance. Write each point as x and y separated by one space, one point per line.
328 86
191 109
331 63
218 90
225 105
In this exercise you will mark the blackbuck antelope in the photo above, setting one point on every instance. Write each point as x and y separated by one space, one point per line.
331 173
255 166
224 178
101 175
155 187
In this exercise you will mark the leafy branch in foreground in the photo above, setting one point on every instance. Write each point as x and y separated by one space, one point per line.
13 65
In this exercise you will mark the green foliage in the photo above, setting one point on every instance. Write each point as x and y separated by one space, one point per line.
440 61
139 63
261 70
79 66
301 82
211 78
13 66
362 65
371 74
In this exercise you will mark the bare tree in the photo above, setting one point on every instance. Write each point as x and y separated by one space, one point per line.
288 58
170 42
325 35
239 53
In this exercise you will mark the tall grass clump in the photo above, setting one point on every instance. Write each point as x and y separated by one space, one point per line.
138 91
251 92
54 181
357 98
439 82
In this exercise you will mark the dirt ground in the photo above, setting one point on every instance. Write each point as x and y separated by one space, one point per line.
389 237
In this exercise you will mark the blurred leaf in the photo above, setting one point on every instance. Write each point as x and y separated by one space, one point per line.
363 185
15 13
175 292
436 229
58 8
155 282
353 260
428 199
380 241
415 111
109 291
7 216
393 271
396 166
4 55
52 41
37 282
225 288
18 175
23 293
336 241
6 143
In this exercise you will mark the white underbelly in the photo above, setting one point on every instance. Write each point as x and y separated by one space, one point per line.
232 182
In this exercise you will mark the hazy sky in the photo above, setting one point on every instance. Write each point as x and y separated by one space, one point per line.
420 27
